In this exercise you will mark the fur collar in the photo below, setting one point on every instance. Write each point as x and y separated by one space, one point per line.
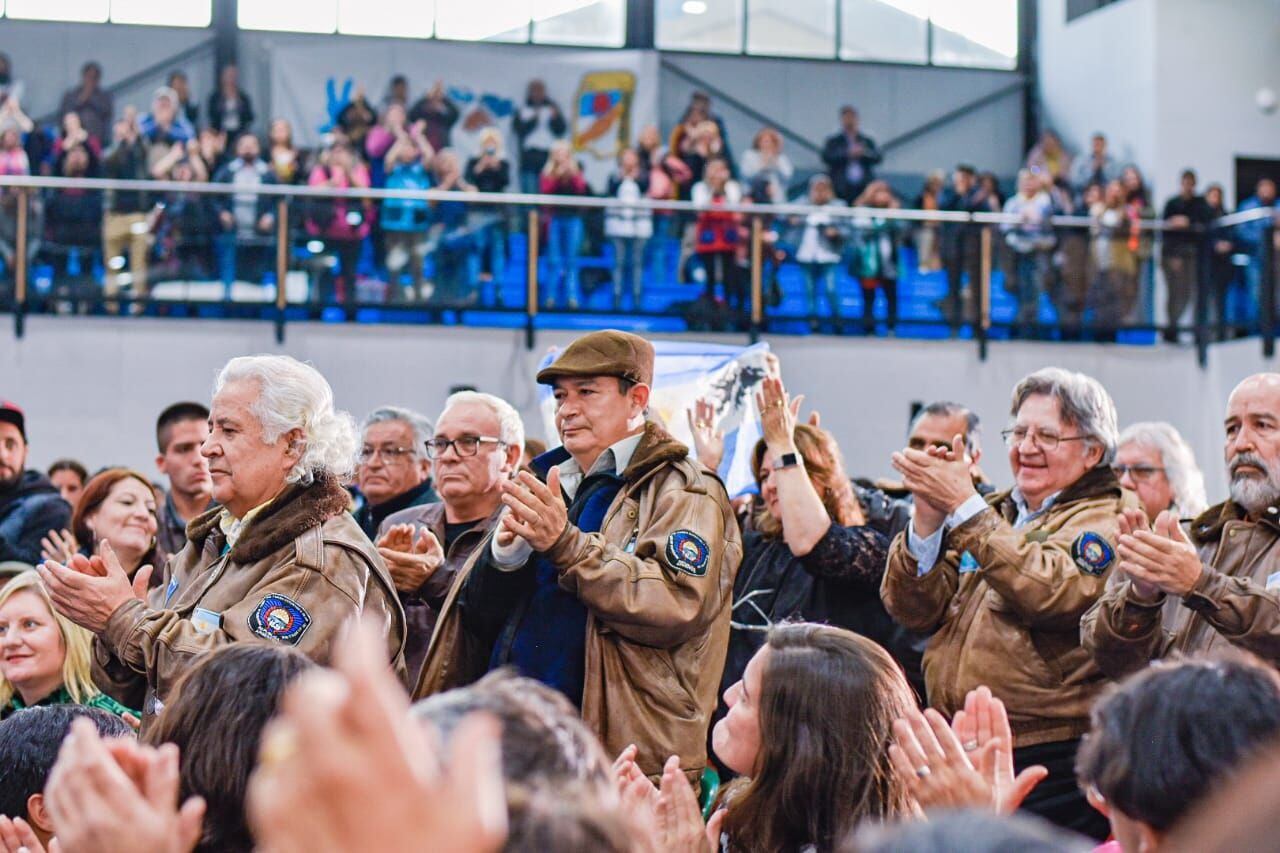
656 448
296 510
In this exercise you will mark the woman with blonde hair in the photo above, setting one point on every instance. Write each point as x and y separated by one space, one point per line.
45 658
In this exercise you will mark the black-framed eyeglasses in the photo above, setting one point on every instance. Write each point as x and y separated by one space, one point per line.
1140 473
1045 440
467 445
390 455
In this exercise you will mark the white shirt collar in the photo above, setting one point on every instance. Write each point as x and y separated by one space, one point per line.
614 460
1025 513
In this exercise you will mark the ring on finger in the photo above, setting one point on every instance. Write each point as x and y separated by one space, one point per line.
923 772
970 745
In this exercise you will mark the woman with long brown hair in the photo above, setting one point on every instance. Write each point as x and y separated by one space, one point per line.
809 728
118 506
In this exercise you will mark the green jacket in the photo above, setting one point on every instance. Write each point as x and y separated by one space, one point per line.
62 697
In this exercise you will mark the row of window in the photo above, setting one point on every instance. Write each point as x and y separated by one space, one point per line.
976 33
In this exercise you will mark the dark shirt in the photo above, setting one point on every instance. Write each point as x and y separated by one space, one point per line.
454 529
1195 209
127 161
28 511
490 180
369 516
171 529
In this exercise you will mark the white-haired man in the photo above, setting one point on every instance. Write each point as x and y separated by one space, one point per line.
478 443
1219 585
1004 580
279 560
394 472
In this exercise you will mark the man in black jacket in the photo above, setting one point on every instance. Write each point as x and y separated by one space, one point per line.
851 157
30 505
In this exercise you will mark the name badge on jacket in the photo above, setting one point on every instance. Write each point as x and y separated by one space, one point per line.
206 621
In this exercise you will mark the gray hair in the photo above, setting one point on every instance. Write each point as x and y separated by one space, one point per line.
1084 403
948 409
1179 463
510 426
293 395
422 429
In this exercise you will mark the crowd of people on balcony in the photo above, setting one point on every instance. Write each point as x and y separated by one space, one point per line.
457 253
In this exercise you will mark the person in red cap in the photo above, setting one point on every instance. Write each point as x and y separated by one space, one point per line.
30 506
610 573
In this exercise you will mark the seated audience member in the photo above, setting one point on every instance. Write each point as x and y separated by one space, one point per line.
1031 240
851 157
609 580
127 223
538 124
44 657
30 505
809 555
245 218
438 113
1003 581
181 431
811 773
1098 167
1156 464
1163 739
628 228
230 110
29 744
765 165
356 118
282 153
90 102
279 560
341 223
820 248
394 471
115 519
188 108
876 254
475 449
215 718
1187 216
1210 586
562 175
68 476
1048 157
405 221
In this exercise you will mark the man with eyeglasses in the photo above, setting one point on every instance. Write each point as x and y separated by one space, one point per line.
394 472
610 573
1004 580
1216 583
477 446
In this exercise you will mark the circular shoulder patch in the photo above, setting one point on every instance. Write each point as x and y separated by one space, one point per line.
278 617
1092 553
688 552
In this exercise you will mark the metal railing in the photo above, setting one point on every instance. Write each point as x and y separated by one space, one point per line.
757 220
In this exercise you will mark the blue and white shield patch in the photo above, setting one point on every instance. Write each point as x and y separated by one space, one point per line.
1092 554
281 618
688 552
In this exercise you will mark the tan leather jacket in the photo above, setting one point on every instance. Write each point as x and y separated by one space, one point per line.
300 571
656 634
422 606
1235 603
1012 621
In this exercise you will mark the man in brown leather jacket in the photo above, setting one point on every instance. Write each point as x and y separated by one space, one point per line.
478 444
1004 580
279 561
610 581
1217 587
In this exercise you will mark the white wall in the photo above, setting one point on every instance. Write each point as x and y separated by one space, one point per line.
92 387
1171 82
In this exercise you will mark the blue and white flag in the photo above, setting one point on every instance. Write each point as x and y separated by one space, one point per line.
726 376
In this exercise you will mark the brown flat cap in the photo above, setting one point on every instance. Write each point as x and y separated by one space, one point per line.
606 353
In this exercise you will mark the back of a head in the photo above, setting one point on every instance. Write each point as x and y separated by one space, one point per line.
832 770
544 741
216 716
1163 737
563 819
29 743
966 832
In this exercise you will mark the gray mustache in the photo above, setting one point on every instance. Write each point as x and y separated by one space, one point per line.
1252 459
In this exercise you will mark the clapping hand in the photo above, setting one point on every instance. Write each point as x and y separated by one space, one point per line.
535 510
938 476
345 756
708 441
1159 560
412 560
984 721
59 546
87 590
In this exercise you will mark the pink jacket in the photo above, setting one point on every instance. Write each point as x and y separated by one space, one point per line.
338 226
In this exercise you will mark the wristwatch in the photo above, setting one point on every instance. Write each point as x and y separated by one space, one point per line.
786 460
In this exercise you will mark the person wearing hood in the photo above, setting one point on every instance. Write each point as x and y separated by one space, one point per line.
30 506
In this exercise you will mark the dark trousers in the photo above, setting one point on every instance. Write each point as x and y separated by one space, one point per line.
1058 799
